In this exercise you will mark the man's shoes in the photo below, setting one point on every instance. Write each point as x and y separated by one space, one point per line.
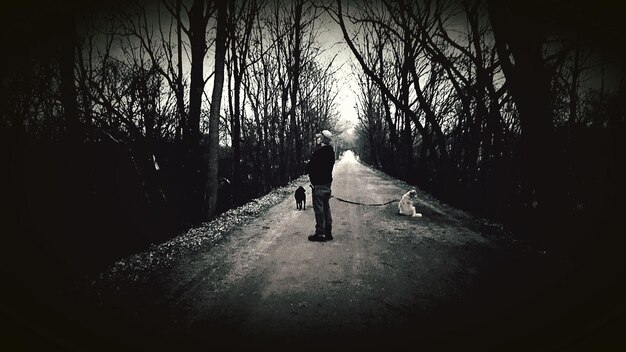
328 237
317 238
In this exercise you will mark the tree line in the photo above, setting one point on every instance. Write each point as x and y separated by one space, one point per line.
164 112
512 110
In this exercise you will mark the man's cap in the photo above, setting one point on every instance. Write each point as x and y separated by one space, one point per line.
326 136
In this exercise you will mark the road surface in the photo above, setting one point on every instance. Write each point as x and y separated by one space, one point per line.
438 282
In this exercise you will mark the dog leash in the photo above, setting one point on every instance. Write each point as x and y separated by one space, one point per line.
369 205
357 203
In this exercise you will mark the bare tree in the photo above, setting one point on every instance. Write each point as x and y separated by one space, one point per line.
214 116
69 95
240 25
435 140
529 83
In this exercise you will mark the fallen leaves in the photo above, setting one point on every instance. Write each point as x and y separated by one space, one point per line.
138 267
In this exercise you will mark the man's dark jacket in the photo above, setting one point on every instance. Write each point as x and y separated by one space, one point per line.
320 167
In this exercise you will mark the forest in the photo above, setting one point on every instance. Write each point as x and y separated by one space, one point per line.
124 123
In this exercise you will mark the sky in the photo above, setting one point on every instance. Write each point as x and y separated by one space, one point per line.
346 99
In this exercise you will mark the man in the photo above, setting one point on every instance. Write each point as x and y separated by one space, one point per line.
320 169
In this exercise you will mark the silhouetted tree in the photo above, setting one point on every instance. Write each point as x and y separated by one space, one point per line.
214 115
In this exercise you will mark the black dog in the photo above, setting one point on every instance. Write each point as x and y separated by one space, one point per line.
300 198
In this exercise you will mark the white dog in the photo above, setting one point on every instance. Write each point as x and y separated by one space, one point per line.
405 207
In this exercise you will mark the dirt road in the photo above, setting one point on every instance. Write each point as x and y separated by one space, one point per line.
436 282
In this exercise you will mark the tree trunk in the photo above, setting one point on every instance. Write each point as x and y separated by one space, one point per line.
573 91
529 84
180 94
197 27
69 97
214 115
84 90
295 80
393 137
235 118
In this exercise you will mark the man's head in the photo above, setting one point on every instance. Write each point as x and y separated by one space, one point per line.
325 137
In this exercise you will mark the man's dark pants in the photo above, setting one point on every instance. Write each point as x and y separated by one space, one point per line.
321 206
